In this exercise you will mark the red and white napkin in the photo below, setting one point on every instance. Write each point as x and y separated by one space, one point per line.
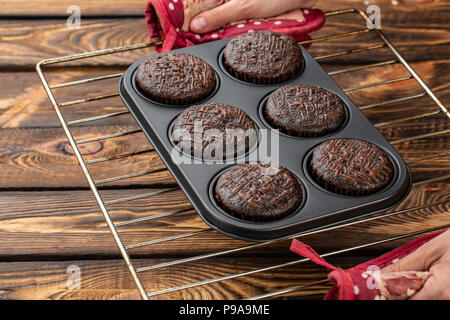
366 281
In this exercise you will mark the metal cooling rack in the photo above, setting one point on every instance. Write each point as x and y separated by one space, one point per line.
103 205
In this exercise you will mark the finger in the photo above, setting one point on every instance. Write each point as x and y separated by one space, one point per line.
219 16
431 290
437 286
424 257
194 8
419 260
237 10
427 292
296 14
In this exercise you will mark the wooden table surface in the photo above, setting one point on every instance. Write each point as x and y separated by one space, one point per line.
49 219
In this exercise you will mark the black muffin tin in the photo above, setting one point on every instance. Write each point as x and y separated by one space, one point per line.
319 207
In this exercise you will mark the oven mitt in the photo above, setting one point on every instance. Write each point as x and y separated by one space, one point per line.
365 281
169 20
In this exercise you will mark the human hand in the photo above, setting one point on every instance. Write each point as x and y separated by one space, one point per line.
237 10
433 256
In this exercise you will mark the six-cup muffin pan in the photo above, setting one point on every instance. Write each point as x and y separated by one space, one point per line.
319 207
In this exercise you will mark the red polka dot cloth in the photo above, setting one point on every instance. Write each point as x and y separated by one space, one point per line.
366 281
169 20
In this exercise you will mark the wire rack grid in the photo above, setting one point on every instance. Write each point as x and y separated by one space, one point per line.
440 109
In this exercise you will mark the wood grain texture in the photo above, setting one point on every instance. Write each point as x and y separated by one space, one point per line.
49 220
88 8
44 159
47 161
27 105
35 149
52 38
136 7
69 224
109 279
26 42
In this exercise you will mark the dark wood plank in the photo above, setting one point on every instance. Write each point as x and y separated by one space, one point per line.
46 160
410 35
417 39
110 279
69 224
42 158
35 149
52 38
59 8
136 7
28 105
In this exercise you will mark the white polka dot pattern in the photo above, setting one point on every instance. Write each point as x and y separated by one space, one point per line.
178 14
356 290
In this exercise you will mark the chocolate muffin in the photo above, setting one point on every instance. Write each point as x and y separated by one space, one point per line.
258 192
305 111
176 78
214 131
263 57
351 167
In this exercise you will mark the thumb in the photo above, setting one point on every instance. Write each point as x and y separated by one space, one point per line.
430 290
219 16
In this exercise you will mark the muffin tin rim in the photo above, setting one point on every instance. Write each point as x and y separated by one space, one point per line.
198 195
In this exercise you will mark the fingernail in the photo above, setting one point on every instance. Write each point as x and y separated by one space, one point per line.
199 24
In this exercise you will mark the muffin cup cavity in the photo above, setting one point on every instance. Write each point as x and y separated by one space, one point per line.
176 78
263 57
319 183
173 103
268 124
247 80
233 159
216 202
